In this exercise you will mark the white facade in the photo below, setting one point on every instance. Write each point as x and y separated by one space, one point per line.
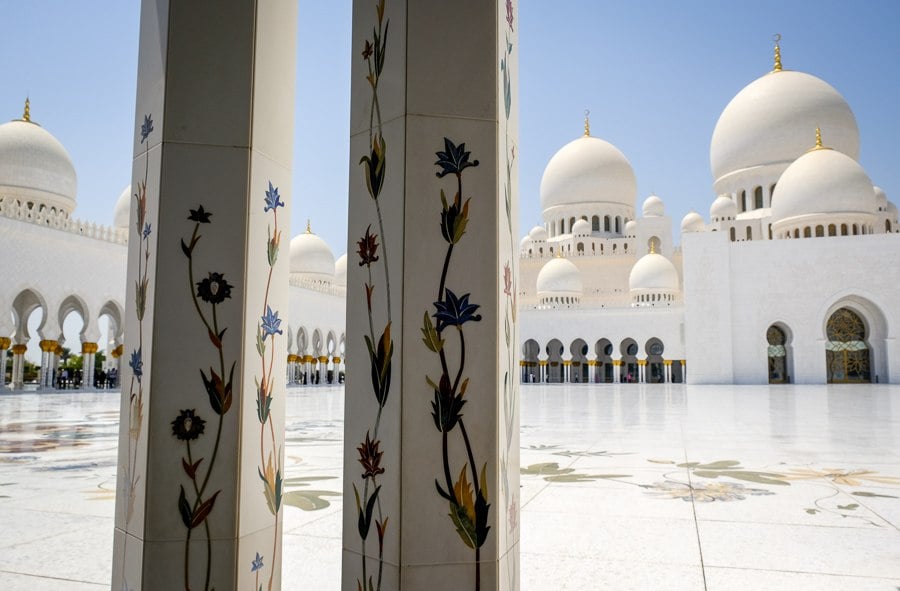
58 264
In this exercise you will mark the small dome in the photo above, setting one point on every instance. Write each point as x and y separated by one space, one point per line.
630 228
581 228
559 277
311 256
538 233
588 170
769 120
340 271
892 210
881 199
692 222
123 208
653 272
653 207
35 167
525 243
823 181
723 208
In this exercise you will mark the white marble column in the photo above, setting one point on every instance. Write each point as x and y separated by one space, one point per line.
201 464
88 363
617 371
431 299
4 349
18 368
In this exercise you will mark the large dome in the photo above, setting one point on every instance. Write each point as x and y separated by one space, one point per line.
123 208
823 181
35 167
769 122
311 256
653 272
559 277
588 170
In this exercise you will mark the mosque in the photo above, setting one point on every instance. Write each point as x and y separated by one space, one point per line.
37 201
791 280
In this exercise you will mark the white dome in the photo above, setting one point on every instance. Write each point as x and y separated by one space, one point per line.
723 208
653 207
525 242
692 222
310 255
770 120
653 272
123 208
823 181
588 170
881 199
559 276
630 227
538 233
581 228
892 210
35 167
340 271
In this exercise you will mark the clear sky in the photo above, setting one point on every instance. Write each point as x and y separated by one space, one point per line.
655 76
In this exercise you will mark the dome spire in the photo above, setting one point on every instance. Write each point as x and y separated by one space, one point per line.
587 123
308 227
652 247
819 145
26 116
777 38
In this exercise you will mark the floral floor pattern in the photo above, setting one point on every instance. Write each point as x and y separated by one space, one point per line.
622 487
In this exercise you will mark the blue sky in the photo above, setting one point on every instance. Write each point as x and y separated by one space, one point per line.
655 76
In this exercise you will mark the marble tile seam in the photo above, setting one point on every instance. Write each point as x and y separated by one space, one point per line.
49 578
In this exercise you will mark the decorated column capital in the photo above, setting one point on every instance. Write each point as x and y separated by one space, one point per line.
48 346
89 348
5 342
19 349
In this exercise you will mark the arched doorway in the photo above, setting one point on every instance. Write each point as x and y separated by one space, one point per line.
629 368
778 357
656 369
530 364
604 368
847 353
578 372
554 361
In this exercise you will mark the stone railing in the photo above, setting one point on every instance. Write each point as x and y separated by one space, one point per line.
317 285
61 221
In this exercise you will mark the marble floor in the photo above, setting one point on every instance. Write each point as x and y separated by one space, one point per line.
623 487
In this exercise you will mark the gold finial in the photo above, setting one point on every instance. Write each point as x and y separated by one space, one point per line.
652 246
26 116
308 227
587 123
777 38
818 138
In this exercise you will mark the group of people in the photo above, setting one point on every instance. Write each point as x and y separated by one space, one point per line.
74 378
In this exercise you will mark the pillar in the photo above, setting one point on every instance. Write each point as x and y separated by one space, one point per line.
431 426
617 371
668 366
642 371
48 350
18 368
5 342
88 357
683 372
116 354
199 490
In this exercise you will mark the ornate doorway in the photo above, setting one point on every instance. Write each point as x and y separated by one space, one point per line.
778 366
847 354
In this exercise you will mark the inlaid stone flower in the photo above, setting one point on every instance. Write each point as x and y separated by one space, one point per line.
146 128
214 289
273 199
257 563
200 215
370 457
187 426
368 247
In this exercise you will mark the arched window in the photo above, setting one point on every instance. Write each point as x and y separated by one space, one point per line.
820 231
562 226
846 351
758 198
770 231
855 229
843 229
749 233
796 232
743 200
887 226
732 233
618 225
580 248
595 223
807 232
571 224
777 352
606 224
832 230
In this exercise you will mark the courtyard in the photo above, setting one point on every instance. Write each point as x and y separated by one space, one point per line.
622 487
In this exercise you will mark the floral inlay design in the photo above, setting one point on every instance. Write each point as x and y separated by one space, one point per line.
467 495
268 328
704 493
379 344
196 502
135 358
